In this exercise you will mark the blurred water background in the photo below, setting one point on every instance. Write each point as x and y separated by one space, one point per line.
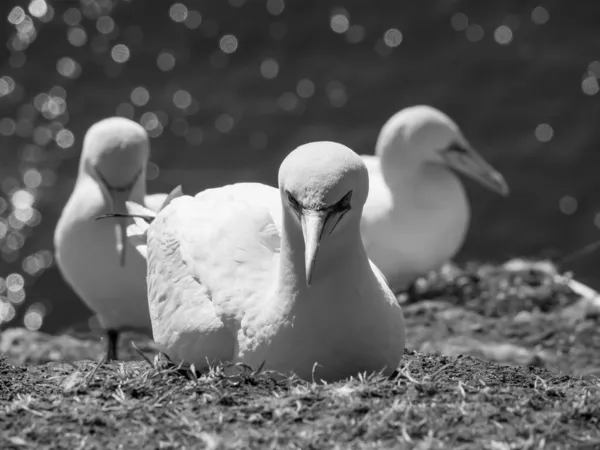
227 88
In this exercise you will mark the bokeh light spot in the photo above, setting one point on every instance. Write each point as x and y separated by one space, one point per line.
459 21
15 282
65 138
568 205
149 121
32 178
7 86
503 35
182 99
228 43
544 132
540 15
120 53
392 37
178 12
339 23
7 126
193 20
77 36
474 33
288 101
305 88
16 15
337 94
7 311
72 17
594 68
589 85
38 8
275 7
34 317
355 34
152 171
224 123
105 25
165 61
269 68
68 67
125 110
140 96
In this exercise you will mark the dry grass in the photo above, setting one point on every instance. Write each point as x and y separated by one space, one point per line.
527 318
433 402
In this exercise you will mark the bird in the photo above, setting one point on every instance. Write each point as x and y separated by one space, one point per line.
273 278
94 257
417 213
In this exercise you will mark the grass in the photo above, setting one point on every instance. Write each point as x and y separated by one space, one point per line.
545 395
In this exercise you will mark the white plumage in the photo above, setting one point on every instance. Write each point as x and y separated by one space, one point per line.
93 255
248 273
417 214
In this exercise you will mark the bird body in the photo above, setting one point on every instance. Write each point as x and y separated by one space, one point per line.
249 273
94 257
417 214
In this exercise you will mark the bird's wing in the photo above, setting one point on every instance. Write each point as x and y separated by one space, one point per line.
155 201
215 253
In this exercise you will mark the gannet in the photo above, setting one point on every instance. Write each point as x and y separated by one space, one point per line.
94 257
248 273
417 213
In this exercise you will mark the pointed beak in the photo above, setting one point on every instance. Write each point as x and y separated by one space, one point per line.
471 164
313 224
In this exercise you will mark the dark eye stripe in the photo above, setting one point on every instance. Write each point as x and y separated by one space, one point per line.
456 148
293 201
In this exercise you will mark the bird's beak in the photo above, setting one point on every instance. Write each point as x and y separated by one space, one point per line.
116 204
467 161
313 225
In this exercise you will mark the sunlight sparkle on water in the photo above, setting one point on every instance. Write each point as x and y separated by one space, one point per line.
568 205
544 132
503 35
340 22
269 68
228 43
178 12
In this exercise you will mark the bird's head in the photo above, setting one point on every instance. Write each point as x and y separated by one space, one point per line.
115 154
323 187
422 135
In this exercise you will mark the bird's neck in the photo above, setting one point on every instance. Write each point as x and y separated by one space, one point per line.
341 263
420 182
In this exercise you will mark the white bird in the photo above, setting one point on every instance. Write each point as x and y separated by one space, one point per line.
248 273
93 256
417 213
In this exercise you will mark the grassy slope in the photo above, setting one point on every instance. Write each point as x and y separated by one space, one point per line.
434 402
525 318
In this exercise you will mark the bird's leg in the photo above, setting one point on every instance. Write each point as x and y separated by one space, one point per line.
112 340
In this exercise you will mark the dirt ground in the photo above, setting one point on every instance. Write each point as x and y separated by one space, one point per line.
498 357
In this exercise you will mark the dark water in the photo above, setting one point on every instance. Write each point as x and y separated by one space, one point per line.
520 79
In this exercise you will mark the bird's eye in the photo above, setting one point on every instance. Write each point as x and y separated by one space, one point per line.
455 147
293 202
344 203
